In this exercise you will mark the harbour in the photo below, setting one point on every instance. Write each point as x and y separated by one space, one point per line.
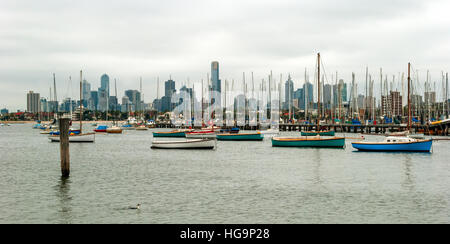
238 182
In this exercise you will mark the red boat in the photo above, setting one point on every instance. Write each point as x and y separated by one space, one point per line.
101 128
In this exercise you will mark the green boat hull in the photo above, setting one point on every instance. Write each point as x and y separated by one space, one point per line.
320 143
320 133
241 137
171 134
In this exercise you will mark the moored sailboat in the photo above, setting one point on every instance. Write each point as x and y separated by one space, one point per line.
241 137
185 144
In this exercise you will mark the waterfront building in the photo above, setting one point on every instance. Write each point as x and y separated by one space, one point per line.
360 101
33 102
215 80
430 98
4 111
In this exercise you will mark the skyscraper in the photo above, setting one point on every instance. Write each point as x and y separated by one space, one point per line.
327 88
288 92
93 101
104 83
86 91
308 89
216 83
33 102
134 96
166 100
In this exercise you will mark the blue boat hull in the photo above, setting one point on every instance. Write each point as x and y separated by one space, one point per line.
422 146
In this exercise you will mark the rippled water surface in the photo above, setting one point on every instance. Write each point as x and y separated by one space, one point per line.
240 182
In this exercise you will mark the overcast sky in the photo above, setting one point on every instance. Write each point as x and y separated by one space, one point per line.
133 38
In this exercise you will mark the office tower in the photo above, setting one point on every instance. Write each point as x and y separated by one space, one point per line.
299 96
288 92
104 83
93 101
44 105
102 100
166 100
134 97
216 84
327 90
308 89
33 102
86 91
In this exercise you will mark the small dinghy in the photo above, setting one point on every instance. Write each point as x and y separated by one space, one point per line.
185 144
101 128
114 130
142 127
313 141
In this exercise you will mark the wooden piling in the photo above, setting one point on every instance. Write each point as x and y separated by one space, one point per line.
64 146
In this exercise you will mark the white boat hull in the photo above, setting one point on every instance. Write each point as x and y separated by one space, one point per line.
201 136
186 144
90 137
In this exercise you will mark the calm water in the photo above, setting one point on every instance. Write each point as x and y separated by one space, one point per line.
240 182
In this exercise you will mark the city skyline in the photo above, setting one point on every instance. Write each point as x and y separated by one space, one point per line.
254 36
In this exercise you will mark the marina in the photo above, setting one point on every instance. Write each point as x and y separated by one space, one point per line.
244 183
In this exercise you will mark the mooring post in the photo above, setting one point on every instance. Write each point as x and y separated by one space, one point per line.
64 146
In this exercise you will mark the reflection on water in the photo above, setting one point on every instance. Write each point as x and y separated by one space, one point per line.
239 182
65 200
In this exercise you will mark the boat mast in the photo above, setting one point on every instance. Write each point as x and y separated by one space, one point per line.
81 103
409 97
318 91
56 99
115 91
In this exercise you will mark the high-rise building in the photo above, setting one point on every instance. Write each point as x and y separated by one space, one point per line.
44 105
391 105
93 101
102 100
125 107
104 83
327 90
288 92
216 83
166 100
299 97
430 98
33 102
134 97
86 92
308 89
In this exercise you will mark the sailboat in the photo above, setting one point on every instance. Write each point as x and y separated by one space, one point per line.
311 141
401 142
114 129
81 137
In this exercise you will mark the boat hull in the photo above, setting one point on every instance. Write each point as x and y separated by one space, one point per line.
320 133
188 144
338 142
169 134
87 138
420 146
201 135
240 137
